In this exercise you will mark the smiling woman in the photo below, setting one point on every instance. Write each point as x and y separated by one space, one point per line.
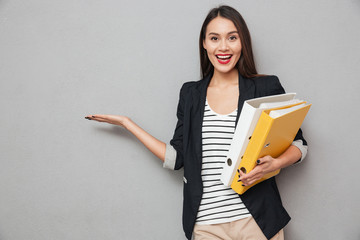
222 44
208 112
239 32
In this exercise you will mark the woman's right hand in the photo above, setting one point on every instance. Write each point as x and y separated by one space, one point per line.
112 119
156 146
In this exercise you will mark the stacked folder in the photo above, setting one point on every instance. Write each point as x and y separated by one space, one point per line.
267 126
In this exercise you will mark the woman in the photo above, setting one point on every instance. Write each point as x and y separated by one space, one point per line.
208 111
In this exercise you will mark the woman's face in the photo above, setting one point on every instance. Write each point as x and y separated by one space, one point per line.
222 44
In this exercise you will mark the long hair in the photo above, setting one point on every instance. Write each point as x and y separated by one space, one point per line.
246 63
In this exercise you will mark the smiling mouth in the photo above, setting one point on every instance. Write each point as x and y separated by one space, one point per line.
223 58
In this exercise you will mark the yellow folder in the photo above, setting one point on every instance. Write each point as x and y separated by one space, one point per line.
271 136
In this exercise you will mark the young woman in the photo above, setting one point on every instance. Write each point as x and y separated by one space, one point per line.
208 111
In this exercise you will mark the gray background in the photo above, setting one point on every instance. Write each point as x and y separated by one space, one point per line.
64 177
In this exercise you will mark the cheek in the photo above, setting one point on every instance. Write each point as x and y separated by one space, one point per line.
238 49
211 57
238 53
210 48
210 53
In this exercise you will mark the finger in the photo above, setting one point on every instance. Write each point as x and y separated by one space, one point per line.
264 159
92 116
103 118
243 178
252 176
250 181
240 174
261 160
89 117
97 119
98 116
246 182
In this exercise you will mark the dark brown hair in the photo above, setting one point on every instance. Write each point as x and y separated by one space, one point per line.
246 63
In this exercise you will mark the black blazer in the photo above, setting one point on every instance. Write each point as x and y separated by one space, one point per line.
263 200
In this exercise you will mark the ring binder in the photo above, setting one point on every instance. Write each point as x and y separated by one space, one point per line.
258 134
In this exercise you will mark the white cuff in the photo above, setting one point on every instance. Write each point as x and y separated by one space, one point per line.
170 157
303 149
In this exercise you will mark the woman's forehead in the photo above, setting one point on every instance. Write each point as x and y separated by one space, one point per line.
220 25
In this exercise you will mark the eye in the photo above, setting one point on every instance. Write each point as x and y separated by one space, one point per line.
232 38
214 38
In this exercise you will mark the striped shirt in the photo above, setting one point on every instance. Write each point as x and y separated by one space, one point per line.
219 204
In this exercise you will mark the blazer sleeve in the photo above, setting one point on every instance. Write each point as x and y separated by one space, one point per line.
174 158
270 85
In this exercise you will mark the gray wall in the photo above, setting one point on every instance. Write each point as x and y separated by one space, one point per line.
64 177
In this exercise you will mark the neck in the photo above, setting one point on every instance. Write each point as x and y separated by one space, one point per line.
220 78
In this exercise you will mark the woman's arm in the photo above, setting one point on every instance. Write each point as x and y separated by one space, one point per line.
156 146
269 164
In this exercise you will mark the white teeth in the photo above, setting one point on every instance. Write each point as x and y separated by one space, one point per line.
223 57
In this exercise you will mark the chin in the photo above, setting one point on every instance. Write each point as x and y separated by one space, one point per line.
224 69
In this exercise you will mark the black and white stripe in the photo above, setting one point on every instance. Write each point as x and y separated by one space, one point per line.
219 203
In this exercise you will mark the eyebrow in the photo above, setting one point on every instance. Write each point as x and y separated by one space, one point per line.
217 34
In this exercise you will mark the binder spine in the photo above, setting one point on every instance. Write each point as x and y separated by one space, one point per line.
257 142
253 150
239 143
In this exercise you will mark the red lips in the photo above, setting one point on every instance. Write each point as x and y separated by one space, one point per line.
223 58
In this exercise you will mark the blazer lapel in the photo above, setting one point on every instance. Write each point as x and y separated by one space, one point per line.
197 112
246 91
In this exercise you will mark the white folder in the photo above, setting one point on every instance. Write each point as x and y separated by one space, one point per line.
248 119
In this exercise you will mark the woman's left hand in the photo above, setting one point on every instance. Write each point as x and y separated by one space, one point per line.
264 166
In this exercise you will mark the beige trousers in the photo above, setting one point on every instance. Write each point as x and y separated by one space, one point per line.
243 229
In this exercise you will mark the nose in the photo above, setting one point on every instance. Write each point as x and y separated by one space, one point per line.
223 45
